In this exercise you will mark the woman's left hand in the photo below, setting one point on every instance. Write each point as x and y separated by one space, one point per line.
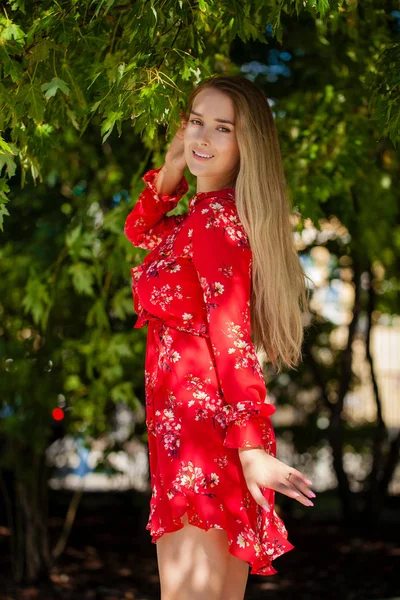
260 469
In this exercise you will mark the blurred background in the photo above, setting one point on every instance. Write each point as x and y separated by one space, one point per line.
90 95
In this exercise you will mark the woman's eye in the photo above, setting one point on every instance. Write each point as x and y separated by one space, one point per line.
197 121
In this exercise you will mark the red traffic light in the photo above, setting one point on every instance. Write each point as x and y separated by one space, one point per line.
58 414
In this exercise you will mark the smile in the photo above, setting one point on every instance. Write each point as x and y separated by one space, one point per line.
202 156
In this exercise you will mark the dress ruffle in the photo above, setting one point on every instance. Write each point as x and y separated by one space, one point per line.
254 543
247 424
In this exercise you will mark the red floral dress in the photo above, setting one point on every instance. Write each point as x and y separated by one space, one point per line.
205 391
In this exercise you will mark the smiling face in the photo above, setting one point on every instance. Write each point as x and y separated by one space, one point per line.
210 131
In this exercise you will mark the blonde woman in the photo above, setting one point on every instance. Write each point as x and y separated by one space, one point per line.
220 283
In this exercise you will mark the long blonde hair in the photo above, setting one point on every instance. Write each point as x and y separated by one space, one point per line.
278 294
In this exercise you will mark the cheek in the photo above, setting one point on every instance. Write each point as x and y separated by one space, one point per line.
231 150
189 140
188 135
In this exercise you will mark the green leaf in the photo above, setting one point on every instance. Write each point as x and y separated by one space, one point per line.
108 124
36 103
97 316
10 30
5 146
10 164
53 86
3 200
82 278
73 235
37 300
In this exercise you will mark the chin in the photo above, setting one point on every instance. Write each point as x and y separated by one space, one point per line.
197 167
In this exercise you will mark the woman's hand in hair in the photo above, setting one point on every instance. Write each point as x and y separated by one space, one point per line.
262 470
175 156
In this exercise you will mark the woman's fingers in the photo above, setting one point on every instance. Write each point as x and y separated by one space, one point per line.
301 476
290 489
257 495
298 480
275 477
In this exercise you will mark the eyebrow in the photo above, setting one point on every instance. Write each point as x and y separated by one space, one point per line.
218 120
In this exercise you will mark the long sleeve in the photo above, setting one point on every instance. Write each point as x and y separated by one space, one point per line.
222 258
147 223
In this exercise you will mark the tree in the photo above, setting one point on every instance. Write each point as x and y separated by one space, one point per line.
64 62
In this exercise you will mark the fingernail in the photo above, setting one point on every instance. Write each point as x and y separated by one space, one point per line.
309 481
312 495
309 503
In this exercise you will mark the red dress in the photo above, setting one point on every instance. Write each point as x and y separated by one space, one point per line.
205 391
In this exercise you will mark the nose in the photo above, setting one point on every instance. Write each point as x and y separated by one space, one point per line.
203 139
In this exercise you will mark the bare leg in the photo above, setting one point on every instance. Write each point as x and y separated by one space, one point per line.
236 577
193 563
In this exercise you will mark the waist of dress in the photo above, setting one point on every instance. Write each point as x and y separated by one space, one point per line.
146 318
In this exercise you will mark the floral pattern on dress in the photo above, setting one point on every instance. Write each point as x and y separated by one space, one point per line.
146 225
204 386
167 426
193 478
222 258
206 403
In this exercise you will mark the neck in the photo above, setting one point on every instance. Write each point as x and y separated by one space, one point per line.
207 184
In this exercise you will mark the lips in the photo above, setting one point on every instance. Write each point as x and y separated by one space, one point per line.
201 157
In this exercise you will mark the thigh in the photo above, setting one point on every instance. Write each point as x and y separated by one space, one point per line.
192 563
237 573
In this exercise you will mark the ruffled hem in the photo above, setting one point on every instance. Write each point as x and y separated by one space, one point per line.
254 552
181 188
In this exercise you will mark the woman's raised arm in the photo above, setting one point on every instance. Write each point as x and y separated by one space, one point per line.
148 222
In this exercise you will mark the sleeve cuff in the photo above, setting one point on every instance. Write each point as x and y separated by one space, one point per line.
248 424
178 192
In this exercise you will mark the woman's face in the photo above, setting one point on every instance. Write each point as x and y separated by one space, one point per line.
206 134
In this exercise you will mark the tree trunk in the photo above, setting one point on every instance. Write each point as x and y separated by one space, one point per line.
390 466
31 557
374 497
25 495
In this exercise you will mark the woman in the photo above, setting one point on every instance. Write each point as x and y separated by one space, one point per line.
225 268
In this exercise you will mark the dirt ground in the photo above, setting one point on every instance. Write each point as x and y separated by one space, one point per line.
109 556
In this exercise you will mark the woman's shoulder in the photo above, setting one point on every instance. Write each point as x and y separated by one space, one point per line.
219 216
